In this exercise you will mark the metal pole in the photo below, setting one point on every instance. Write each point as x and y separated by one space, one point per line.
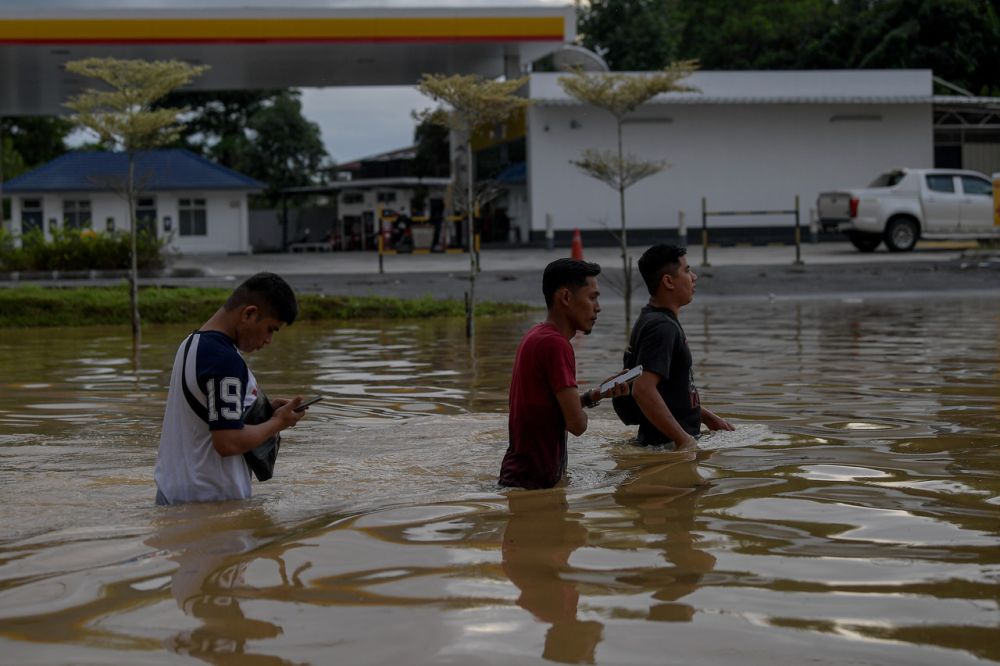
704 233
381 242
682 230
479 268
798 234
550 234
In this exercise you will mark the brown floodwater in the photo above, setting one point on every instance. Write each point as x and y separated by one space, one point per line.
852 517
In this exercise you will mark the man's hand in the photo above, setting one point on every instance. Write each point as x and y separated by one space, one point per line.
618 389
285 413
714 422
688 444
235 441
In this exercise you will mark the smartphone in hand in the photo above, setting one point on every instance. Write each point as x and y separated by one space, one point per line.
308 401
621 379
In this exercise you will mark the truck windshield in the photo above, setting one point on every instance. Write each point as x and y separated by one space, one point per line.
887 179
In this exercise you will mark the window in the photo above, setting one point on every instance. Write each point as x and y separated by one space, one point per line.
31 215
889 179
191 217
973 185
145 215
354 197
386 197
76 214
941 183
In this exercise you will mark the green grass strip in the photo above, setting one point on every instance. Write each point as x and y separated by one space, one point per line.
28 306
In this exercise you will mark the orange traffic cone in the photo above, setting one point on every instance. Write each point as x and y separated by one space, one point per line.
576 249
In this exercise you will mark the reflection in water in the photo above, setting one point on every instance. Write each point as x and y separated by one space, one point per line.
660 496
852 517
537 543
210 550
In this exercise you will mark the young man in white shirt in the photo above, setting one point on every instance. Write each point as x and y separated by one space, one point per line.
204 436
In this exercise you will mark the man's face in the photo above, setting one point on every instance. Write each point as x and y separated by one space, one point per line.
255 330
684 282
583 306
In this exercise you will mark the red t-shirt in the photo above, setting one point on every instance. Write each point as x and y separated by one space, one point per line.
544 365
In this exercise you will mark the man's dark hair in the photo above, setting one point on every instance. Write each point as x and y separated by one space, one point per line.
571 273
658 261
270 293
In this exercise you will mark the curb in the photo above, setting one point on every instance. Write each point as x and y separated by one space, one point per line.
55 275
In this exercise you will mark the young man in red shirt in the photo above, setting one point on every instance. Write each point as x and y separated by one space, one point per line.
544 401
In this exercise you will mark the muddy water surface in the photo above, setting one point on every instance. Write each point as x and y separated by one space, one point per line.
852 517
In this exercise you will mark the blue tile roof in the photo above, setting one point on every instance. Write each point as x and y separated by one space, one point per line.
155 171
515 174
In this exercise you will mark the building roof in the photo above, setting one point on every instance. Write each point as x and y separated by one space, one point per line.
873 86
402 182
407 153
263 44
514 174
155 171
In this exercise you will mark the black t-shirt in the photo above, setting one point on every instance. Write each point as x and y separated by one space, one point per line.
662 348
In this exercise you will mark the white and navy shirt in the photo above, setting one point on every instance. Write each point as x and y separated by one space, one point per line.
210 387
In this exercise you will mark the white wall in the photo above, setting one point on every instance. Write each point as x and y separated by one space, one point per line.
226 213
739 156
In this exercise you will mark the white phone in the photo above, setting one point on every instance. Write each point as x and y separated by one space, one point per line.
621 379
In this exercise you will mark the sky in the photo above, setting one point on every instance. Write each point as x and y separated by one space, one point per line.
358 122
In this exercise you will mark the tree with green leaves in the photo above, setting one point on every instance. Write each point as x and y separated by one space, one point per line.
27 142
281 148
958 39
215 127
619 94
631 35
261 133
35 139
433 155
469 103
123 115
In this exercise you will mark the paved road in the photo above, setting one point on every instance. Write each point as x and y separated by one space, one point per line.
829 270
528 259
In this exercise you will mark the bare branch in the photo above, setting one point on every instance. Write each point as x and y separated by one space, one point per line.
619 93
619 173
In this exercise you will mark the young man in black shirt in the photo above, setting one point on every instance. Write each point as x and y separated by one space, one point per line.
665 392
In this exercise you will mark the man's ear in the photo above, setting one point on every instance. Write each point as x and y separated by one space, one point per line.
250 311
667 280
563 295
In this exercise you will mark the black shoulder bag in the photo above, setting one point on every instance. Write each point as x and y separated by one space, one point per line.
625 406
261 459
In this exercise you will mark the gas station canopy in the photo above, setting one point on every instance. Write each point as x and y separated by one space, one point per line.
252 45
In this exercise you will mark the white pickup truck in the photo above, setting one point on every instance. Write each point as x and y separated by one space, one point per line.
905 205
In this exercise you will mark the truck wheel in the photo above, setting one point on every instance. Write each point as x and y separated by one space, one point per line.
864 242
901 234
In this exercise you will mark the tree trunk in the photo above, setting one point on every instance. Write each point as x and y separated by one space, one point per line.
470 312
623 237
133 274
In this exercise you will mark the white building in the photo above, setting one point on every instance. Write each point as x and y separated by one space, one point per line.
196 205
747 141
